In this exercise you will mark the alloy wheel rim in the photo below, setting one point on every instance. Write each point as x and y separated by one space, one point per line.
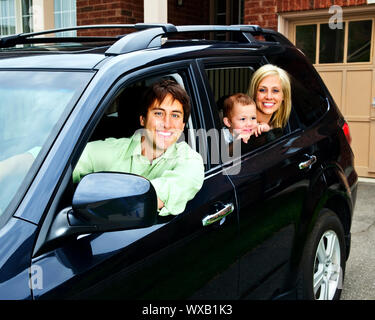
327 267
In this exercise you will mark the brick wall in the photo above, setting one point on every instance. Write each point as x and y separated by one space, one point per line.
264 12
108 12
131 11
261 12
296 5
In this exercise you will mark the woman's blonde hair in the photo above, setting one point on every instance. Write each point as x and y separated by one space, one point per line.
280 118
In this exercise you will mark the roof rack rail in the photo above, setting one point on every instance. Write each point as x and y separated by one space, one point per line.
167 27
150 35
23 38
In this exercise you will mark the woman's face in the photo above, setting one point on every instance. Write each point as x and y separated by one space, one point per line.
269 96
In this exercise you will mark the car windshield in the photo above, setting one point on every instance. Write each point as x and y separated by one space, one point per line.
33 106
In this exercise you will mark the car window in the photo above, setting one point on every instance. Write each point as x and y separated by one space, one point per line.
227 81
121 118
33 106
128 129
308 96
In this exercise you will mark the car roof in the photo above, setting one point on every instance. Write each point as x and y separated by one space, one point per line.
37 50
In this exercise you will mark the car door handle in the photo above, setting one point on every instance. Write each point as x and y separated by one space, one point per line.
307 164
212 218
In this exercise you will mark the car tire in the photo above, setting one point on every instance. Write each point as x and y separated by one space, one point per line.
323 262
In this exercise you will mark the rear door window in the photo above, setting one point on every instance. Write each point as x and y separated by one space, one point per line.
224 80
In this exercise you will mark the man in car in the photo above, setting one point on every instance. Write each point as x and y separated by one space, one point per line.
174 169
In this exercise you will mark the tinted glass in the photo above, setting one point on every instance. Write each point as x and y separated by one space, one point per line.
331 48
226 81
33 105
306 40
359 41
308 96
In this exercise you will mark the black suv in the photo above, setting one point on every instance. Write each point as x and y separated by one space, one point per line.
270 223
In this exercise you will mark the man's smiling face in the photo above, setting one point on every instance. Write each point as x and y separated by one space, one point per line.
164 123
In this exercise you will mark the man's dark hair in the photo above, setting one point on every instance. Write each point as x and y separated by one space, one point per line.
159 90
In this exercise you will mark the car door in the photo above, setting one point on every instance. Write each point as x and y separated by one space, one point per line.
270 185
179 257
272 190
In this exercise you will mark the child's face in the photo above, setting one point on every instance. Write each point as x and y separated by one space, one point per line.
242 119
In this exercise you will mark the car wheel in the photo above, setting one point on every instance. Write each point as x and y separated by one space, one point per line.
323 263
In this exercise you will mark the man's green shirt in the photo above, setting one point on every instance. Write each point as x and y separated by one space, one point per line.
177 175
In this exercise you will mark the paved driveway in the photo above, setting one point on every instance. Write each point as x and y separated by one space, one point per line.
359 281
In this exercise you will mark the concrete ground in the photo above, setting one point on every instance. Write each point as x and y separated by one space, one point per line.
359 281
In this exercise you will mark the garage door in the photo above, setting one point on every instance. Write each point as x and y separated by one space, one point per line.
345 59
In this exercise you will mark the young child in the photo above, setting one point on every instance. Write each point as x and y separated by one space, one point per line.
240 118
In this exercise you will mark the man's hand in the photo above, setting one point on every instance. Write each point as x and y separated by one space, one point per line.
160 204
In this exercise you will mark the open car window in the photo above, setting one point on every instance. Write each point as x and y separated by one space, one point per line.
138 137
227 81
121 119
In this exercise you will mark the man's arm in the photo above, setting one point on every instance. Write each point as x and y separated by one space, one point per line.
84 165
175 187
97 156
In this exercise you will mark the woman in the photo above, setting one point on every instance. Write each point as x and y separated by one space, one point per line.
270 89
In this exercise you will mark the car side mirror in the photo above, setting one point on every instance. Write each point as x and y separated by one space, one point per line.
114 201
102 202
